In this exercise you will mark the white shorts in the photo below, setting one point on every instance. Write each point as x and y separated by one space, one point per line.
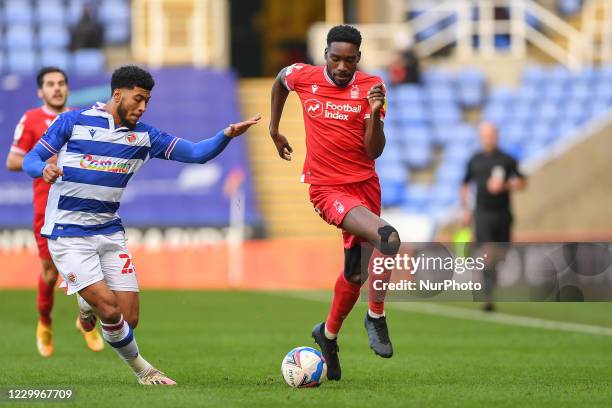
83 261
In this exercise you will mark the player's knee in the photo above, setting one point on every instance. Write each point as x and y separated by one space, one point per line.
352 264
389 241
108 312
132 321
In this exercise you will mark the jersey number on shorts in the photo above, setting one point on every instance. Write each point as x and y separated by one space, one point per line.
127 267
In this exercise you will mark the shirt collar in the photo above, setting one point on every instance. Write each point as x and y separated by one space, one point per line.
326 75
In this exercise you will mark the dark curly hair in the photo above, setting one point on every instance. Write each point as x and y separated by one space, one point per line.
40 77
344 33
131 76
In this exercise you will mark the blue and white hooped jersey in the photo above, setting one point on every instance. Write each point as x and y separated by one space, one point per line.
98 161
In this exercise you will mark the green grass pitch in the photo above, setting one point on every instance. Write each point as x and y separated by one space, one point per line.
225 349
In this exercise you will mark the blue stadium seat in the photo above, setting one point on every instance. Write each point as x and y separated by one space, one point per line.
440 92
412 113
555 91
88 62
22 62
560 74
50 12
542 132
392 172
417 155
74 10
53 37
445 194
416 197
534 75
471 95
580 90
450 172
574 111
57 58
17 12
392 193
114 12
19 37
501 95
569 7
117 33
437 76
496 112
409 93
416 134
445 113
548 110
522 111
1 62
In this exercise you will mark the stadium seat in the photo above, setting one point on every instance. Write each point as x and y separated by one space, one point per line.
117 33
437 76
440 92
445 113
113 12
450 172
56 57
19 37
50 12
56 37
569 7
17 12
416 197
412 113
417 155
534 75
409 93
88 62
22 62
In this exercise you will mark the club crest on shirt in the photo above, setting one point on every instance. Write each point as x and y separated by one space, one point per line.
72 278
131 138
339 206
355 92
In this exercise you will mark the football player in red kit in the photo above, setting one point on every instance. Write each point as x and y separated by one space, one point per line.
53 90
343 112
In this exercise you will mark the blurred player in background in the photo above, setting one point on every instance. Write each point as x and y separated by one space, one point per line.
496 175
343 116
53 90
99 150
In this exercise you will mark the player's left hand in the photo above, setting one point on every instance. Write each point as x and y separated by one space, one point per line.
376 97
236 129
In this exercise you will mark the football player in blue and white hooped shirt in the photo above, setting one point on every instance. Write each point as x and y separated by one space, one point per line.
99 150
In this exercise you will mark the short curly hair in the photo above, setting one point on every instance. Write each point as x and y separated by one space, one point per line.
344 33
131 76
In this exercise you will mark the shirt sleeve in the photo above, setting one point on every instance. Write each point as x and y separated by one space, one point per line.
162 143
23 138
58 133
469 176
513 170
292 75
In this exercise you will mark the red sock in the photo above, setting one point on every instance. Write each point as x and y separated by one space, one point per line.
376 298
345 296
45 300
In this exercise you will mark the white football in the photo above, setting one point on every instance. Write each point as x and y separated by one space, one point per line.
304 367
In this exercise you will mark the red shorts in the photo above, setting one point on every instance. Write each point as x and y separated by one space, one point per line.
41 242
332 203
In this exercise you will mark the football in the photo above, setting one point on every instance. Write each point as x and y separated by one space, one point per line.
304 367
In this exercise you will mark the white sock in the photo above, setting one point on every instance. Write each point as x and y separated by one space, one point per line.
84 307
375 315
121 337
329 334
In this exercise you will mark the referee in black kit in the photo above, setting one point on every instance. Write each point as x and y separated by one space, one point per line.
496 175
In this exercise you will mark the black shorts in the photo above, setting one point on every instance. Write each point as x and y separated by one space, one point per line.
491 226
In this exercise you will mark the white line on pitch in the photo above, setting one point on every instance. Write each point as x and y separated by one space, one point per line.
478 315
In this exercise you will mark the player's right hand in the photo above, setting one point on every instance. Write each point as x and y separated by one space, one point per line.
282 145
51 173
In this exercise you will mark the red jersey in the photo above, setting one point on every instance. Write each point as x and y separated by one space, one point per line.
29 130
334 118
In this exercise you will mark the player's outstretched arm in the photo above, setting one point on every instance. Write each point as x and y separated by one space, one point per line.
278 99
205 150
35 165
